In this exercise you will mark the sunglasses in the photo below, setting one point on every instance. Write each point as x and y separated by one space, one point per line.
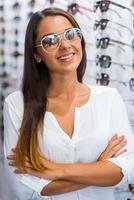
131 188
74 8
16 18
1 7
2 52
104 79
31 3
51 1
105 61
113 22
16 5
50 43
106 41
16 54
105 6
103 24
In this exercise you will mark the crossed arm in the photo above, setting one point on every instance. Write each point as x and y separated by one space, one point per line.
71 177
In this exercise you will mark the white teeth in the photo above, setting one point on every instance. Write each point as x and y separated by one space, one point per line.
67 57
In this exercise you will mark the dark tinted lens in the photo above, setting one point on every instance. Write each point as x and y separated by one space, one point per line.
78 32
104 6
104 79
70 34
96 25
105 61
73 34
103 25
131 84
96 5
50 42
73 8
133 44
104 42
101 43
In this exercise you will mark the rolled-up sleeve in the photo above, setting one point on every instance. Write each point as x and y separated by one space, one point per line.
12 123
119 124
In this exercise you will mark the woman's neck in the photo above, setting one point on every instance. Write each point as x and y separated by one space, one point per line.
64 86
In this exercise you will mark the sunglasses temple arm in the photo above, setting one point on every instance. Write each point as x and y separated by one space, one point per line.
117 46
122 26
119 81
121 65
115 30
115 12
121 6
122 43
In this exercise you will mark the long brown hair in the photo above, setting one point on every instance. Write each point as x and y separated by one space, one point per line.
35 82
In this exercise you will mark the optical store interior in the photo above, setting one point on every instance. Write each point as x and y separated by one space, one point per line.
108 29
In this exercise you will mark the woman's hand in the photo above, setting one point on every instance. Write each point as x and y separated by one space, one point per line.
50 173
114 148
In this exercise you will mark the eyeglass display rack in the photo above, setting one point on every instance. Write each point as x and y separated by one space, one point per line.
107 28
114 35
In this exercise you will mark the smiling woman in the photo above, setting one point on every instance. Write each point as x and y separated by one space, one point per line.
65 133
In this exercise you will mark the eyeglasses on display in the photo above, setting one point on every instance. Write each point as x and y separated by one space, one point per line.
105 5
105 61
106 41
50 43
103 24
104 79
31 3
105 21
16 6
75 8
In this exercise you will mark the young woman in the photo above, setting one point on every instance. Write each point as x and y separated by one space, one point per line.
63 130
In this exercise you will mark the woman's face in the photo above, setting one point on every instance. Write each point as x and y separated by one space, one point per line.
67 56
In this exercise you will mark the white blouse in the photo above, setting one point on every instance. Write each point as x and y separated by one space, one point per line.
95 123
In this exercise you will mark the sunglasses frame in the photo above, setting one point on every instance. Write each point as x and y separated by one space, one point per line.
106 58
104 42
60 38
103 24
104 5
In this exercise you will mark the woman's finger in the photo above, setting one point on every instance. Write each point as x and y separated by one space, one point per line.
120 153
20 171
14 150
115 149
115 142
11 157
14 164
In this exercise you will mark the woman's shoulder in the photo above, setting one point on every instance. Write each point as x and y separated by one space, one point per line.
14 97
14 102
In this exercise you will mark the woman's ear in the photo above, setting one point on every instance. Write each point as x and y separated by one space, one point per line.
37 58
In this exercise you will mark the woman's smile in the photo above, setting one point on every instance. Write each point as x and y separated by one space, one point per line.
67 57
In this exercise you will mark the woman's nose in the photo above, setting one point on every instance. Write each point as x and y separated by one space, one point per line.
64 43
